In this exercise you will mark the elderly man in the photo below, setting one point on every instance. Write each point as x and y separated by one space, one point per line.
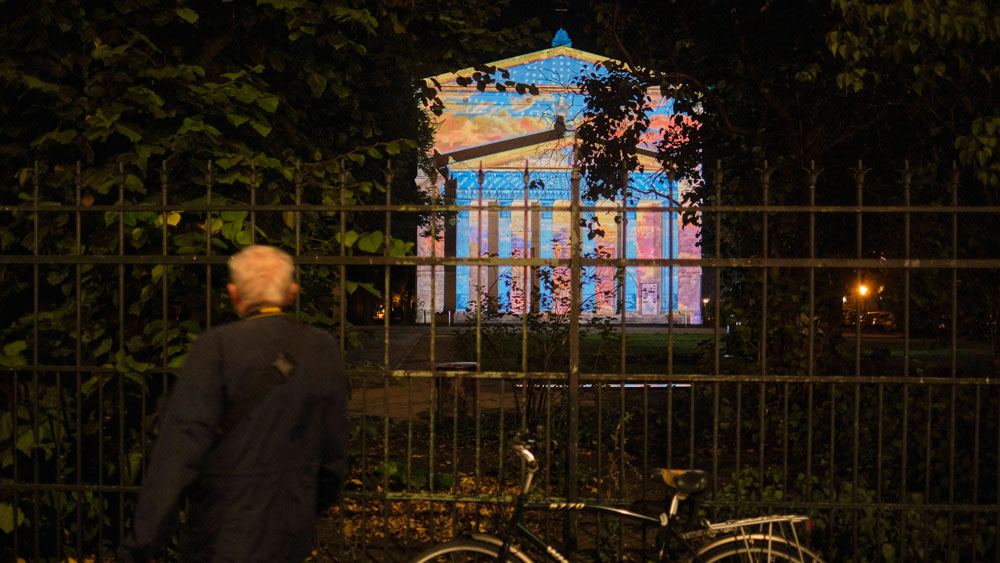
254 432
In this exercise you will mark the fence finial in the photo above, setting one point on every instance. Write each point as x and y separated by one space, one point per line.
813 174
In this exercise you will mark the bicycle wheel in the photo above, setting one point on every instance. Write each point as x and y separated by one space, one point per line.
465 551
754 548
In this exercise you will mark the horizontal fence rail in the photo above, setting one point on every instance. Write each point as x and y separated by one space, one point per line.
876 413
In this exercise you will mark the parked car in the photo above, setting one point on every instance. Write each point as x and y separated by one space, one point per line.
881 321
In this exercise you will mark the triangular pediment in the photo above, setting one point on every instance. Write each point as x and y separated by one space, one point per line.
553 67
474 118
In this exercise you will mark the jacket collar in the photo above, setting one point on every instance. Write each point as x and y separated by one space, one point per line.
265 311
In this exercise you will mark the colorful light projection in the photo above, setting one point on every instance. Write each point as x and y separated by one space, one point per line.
520 229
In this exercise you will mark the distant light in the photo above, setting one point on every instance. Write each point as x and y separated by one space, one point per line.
845 299
863 290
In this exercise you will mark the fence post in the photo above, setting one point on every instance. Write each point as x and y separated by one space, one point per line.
573 434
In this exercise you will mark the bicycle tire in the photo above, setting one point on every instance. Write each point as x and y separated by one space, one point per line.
465 551
753 548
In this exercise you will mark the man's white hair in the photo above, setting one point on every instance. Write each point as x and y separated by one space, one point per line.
262 275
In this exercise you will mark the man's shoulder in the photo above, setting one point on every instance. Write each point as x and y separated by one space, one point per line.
280 326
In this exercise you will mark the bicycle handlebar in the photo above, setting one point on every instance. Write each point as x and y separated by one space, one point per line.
532 463
527 456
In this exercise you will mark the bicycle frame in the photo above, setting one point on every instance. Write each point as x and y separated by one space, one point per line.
517 527
734 530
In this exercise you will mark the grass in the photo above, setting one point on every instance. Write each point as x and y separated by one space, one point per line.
648 352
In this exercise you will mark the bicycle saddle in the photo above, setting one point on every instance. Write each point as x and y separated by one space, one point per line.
687 481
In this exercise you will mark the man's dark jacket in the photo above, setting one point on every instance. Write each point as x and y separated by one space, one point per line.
255 491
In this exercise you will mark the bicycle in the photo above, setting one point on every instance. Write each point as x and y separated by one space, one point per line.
765 538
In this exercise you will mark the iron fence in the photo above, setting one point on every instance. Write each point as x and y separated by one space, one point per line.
889 439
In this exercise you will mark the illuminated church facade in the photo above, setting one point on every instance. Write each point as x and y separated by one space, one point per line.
508 157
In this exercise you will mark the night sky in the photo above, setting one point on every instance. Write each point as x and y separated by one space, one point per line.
573 16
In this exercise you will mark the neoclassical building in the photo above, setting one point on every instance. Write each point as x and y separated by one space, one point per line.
514 152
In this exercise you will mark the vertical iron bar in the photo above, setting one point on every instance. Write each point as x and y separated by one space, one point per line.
435 378
121 345
480 178
524 291
164 304
738 426
813 178
765 181
298 236
738 429
905 423
209 225
765 272
386 314
36 335
525 239
857 386
927 454
572 454
975 462
253 203
716 352
57 496
671 224
879 529
297 186
954 358
78 494
342 333
622 273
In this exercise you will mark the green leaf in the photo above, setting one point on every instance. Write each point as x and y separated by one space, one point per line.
134 464
63 137
56 277
37 84
102 348
317 84
401 248
132 134
187 14
371 242
14 348
7 517
236 119
261 128
134 183
444 480
243 237
350 236
268 103
26 442
233 216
